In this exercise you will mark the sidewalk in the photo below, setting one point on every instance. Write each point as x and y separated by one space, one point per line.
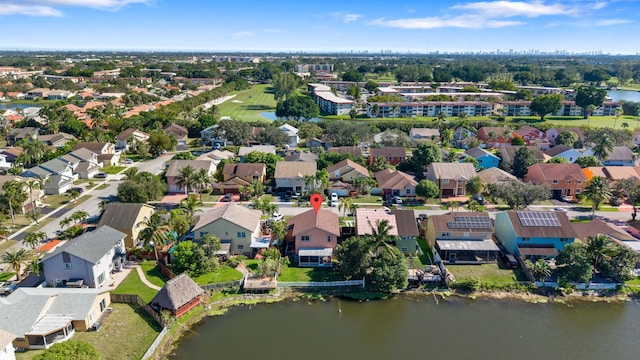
143 278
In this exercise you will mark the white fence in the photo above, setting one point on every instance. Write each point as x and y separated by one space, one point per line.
155 343
580 286
303 284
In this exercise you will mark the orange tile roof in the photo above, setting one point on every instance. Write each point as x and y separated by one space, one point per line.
49 245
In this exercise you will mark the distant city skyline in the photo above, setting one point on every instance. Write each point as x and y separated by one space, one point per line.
467 26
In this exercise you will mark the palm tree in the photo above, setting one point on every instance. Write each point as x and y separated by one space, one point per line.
309 183
380 234
394 110
34 239
189 205
590 109
624 125
13 195
79 216
602 148
33 184
186 178
344 204
539 269
15 259
597 191
617 113
65 222
474 186
441 118
156 233
34 150
202 180
602 249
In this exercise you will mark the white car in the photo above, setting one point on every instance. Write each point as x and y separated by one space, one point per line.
334 197
277 217
560 209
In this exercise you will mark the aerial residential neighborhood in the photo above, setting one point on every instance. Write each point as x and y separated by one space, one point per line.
144 192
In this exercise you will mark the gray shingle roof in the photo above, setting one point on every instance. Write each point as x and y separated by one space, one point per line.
176 165
232 212
121 215
91 246
477 152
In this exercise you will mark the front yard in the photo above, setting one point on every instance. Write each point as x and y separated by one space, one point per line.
489 274
112 169
126 334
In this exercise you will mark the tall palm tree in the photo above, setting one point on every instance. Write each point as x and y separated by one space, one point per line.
156 232
602 148
394 110
309 183
344 204
202 180
34 150
380 235
189 205
33 184
15 259
34 239
597 191
65 222
186 178
601 249
13 196
442 117
79 216
617 113
590 109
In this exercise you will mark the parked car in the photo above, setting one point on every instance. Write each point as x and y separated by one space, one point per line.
565 198
560 209
510 261
397 200
334 197
615 201
227 197
128 162
101 175
78 189
277 217
479 199
7 288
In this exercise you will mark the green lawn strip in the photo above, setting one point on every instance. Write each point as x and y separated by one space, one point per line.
252 264
133 285
222 274
102 187
82 199
486 273
309 274
152 273
634 282
136 157
113 169
248 104
425 258
367 199
55 201
7 275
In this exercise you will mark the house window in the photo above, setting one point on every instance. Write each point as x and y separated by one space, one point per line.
408 191
241 235
579 182
101 278
305 238
404 249
329 238
564 239
240 247
445 234
255 177
568 181
554 181
526 239
577 191
445 181
203 233
67 265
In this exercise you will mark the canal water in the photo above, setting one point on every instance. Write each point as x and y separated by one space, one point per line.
6 106
617 95
408 328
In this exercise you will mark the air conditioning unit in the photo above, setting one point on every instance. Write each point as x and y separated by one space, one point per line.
95 326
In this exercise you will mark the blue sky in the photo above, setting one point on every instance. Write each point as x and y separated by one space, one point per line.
329 25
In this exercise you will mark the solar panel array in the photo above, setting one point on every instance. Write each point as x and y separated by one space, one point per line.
470 222
538 218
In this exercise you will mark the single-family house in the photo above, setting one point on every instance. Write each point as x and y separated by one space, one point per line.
249 172
347 171
553 133
107 154
129 219
11 153
244 150
180 133
56 140
451 178
416 134
508 153
461 137
236 226
534 234
41 317
292 133
130 137
564 152
408 231
394 155
289 176
217 155
175 168
7 352
463 238
35 195
485 159
495 137
91 257
367 220
394 183
495 176
60 95
562 179
619 156
38 93
594 227
304 156
314 236
530 135
178 295
612 173
324 142
213 136
56 174
4 163
84 162
354 151
15 135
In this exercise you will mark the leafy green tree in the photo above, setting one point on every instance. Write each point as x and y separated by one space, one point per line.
546 104
269 160
347 133
567 138
574 263
273 136
352 75
474 186
308 130
354 256
523 158
518 195
557 160
389 272
371 86
13 196
159 141
354 92
185 155
586 161
590 95
425 154
70 349
539 269
300 107
380 163
179 221
235 131
597 190
284 85
427 189
15 259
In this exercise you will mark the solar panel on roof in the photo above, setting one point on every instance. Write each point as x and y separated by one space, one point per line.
469 222
538 218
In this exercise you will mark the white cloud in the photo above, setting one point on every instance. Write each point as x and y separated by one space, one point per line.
345 17
30 10
611 22
493 14
51 7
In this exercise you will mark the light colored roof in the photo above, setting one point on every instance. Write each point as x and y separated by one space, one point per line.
346 163
121 215
233 213
619 153
290 130
244 169
386 152
495 175
315 252
91 246
96 147
175 129
6 338
565 230
129 132
177 292
477 152
175 166
481 245
406 221
244 150
368 218
292 169
620 172
302 156
394 179
325 220
452 170
424 132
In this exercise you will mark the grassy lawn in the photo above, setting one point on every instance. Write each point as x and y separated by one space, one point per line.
102 187
210 198
6 244
136 157
126 334
7 275
152 273
249 103
309 274
133 285
252 264
20 219
486 273
113 169
223 274
425 258
368 199
55 201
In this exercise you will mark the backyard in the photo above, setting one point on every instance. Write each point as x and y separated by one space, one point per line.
152 273
488 274
222 274
310 274
126 334
247 105
133 285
